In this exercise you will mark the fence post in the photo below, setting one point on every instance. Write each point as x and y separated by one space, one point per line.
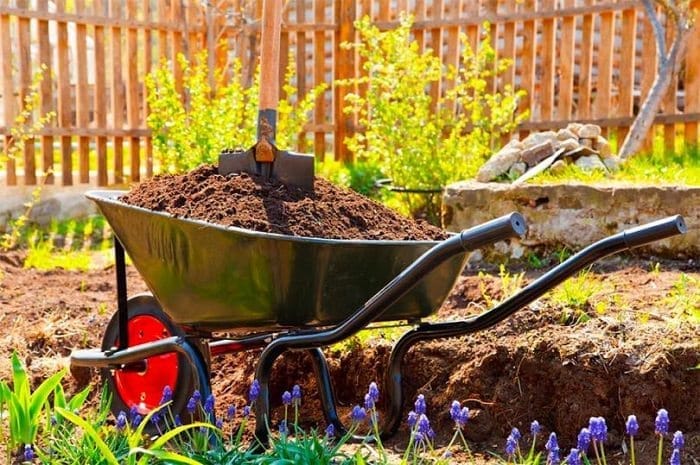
344 69
8 92
692 82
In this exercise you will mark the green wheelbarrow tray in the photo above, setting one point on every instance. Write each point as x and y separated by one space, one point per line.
210 277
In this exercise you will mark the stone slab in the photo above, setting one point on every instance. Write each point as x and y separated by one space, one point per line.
575 215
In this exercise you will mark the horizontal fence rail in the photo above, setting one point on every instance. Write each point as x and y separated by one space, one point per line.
579 61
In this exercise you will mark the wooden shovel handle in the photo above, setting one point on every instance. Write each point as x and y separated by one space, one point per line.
270 54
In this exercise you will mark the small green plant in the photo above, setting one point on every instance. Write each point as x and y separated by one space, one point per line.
509 285
25 410
187 135
684 298
22 131
418 142
575 295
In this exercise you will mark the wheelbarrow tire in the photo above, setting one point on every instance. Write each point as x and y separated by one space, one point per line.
148 323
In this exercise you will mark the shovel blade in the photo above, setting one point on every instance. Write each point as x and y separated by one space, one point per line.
296 169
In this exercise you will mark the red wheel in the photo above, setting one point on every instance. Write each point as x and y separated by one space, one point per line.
144 389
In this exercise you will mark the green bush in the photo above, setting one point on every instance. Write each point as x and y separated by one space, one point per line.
192 129
415 141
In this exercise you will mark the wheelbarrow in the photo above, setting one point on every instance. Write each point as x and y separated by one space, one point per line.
282 293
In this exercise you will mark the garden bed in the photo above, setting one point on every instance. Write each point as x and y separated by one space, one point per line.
637 351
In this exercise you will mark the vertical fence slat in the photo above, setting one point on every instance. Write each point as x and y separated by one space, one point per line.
25 79
566 64
301 64
65 102
384 10
132 92
452 53
176 39
548 62
669 104
319 78
344 69
46 91
419 34
604 87
584 81
508 51
8 94
649 65
527 60
692 82
147 68
99 96
162 33
436 42
626 69
284 53
117 92
82 95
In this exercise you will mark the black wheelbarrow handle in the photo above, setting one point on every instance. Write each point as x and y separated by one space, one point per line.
624 240
470 239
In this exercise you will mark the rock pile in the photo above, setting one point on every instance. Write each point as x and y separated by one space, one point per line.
581 144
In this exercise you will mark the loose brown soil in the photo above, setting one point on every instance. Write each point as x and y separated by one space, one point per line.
251 202
636 357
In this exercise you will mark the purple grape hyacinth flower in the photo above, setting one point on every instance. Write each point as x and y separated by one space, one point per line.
678 440
511 445
254 392
598 429
574 457
330 431
28 453
209 404
231 412
246 411
219 423
197 396
420 404
455 410
191 405
167 395
584 440
675 457
178 421
358 414
286 398
418 436
121 421
515 432
632 426
423 424
133 411
296 394
463 417
552 443
373 391
283 427
662 421
136 421
369 402
535 428
412 419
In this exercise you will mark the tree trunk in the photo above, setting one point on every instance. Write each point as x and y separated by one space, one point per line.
668 67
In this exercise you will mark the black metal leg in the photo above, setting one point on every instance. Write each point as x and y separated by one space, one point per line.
120 269
325 390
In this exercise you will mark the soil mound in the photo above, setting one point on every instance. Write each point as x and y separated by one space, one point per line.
266 205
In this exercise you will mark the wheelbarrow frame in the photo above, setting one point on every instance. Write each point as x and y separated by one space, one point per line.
312 340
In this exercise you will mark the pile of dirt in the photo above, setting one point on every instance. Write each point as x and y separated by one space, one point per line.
266 205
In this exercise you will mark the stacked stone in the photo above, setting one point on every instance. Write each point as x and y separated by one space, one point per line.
581 144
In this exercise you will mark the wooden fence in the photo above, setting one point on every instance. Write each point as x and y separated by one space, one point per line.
578 60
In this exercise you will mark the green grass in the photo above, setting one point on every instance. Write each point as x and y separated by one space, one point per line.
77 245
657 168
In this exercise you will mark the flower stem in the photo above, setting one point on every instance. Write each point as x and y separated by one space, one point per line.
661 447
632 450
602 453
595 448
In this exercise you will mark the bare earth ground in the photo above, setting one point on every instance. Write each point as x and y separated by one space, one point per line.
632 356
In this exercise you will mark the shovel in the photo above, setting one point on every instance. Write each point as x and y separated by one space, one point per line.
264 158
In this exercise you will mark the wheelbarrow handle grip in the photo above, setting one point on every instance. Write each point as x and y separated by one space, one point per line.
493 231
655 231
